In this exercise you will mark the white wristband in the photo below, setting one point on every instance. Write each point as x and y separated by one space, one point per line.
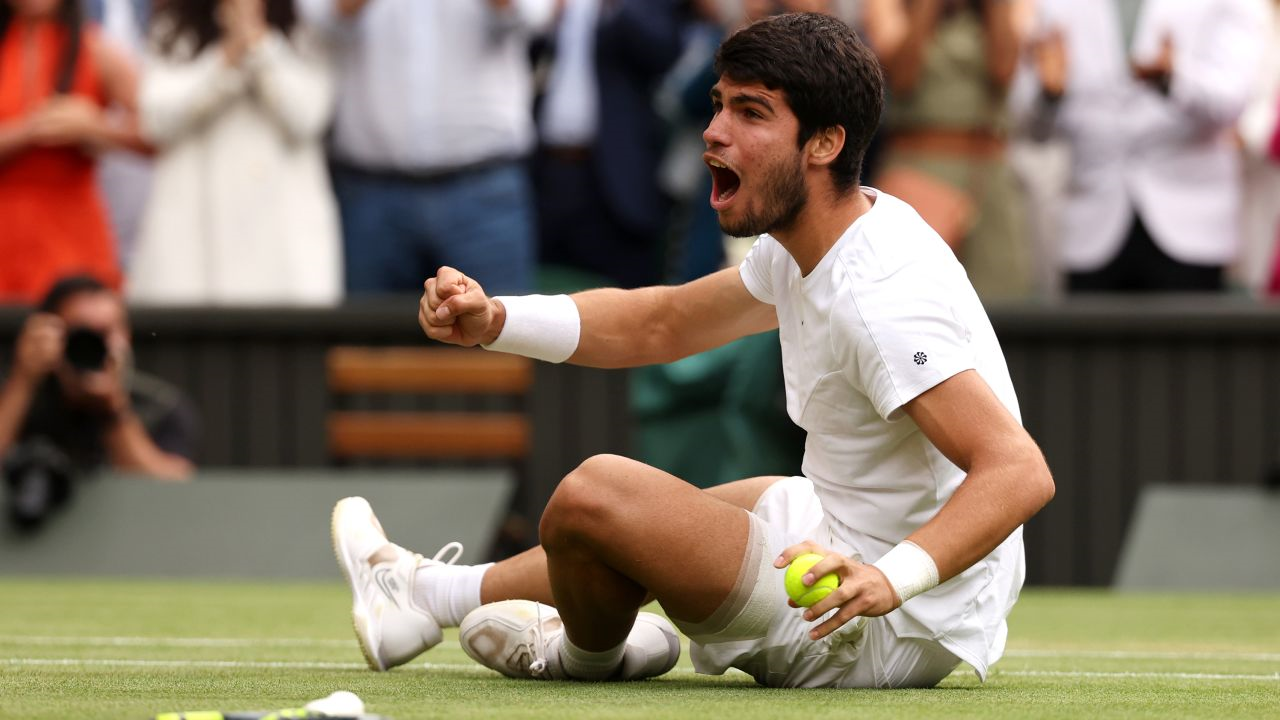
909 569
543 327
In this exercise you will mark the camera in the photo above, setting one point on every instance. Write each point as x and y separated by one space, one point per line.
38 480
86 349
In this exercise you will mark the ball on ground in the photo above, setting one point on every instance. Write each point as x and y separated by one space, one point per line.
807 595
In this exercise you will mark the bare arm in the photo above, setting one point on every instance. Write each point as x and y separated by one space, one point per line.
130 447
1007 482
903 63
620 328
626 328
76 120
886 25
37 351
14 136
350 8
120 80
1001 40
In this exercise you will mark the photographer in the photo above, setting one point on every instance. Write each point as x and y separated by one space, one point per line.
73 402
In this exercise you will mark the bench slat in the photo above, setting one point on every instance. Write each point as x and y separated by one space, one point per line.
427 370
428 435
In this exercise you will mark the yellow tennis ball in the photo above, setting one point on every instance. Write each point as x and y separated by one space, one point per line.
807 595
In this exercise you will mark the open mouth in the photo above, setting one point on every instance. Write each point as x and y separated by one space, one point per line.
724 183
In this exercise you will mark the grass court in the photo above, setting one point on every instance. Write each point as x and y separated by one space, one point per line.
72 650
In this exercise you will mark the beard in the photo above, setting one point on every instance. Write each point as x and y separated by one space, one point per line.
784 197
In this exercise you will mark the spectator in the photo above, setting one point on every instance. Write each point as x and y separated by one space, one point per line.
596 170
73 403
237 99
57 76
432 128
1259 259
124 178
949 64
1145 101
696 246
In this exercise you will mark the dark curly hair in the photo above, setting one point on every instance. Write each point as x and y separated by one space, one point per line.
829 76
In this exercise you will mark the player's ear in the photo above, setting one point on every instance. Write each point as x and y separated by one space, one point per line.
825 145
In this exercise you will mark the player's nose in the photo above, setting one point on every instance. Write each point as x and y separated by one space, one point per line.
716 133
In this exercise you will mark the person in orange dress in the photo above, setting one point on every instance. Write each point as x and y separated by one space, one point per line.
58 79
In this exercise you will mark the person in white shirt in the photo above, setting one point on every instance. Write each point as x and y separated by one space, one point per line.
236 97
430 136
917 473
1145 94
1257 268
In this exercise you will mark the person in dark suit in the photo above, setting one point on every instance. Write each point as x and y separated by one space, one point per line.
599 205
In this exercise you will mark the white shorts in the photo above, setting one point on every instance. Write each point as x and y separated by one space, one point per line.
757 632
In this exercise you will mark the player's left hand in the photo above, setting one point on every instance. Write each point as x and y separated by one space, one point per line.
864 591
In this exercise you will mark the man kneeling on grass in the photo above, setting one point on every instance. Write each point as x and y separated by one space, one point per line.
917 472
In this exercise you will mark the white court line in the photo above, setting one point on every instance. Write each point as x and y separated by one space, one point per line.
139 641
1143 655
171 641
216 664
257 665
1143 675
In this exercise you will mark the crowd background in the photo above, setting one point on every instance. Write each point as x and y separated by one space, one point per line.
196 152
281 153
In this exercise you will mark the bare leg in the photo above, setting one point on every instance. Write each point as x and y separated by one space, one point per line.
744 493
524 577
616 530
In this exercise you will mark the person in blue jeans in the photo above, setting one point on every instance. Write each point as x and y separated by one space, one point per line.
431 132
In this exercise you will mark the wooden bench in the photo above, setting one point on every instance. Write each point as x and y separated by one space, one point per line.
428 434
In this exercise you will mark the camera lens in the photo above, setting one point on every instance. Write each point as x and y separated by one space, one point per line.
86 349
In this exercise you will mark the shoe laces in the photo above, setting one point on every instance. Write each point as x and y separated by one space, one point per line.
438 558
455 546
538 668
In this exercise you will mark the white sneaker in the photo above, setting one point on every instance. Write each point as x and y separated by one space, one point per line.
391 627
522 638
653 648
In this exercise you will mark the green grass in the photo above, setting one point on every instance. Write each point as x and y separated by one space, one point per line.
72 649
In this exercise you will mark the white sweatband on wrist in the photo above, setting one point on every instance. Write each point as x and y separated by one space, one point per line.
543 327
909 569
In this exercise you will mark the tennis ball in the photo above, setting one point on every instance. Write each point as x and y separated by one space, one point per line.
806 596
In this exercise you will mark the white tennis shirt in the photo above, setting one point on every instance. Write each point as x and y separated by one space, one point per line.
887 314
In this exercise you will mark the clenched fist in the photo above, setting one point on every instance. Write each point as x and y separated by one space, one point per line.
454 309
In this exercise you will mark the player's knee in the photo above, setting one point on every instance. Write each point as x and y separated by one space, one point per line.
582 502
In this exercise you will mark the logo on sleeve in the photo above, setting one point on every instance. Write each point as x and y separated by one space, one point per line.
920 358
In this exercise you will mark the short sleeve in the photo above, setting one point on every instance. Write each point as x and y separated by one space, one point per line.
901 335
757 269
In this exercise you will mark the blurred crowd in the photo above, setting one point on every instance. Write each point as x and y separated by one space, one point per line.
296 152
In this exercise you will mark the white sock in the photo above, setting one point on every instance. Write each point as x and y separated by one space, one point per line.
448 592
587 665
